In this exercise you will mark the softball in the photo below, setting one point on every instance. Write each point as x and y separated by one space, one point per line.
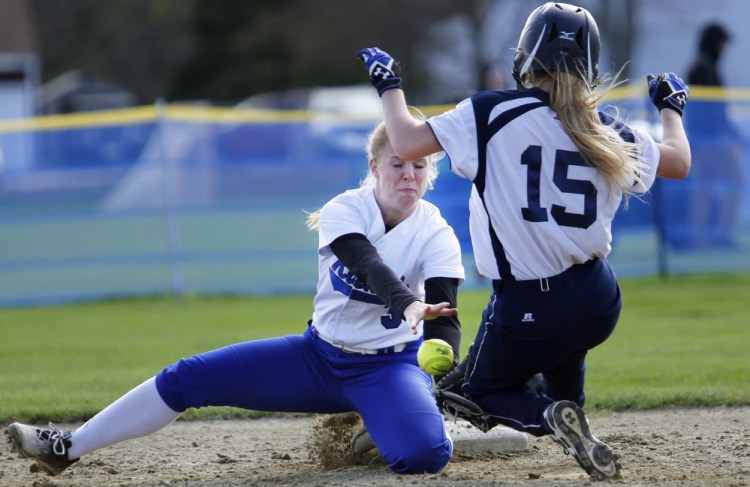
435 356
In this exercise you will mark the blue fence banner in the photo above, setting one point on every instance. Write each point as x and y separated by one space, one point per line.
176 199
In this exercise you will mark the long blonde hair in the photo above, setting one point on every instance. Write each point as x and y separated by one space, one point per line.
376 143
576 105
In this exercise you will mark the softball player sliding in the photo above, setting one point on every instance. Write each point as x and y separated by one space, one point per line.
549 172
383 253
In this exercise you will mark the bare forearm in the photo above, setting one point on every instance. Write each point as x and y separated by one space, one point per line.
675 160
410 138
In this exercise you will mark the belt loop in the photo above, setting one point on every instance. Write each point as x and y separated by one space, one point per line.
544 284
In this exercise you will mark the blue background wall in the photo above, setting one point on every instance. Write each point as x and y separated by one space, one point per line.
192 200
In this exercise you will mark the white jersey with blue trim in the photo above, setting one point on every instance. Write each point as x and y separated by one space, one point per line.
421 247
536 206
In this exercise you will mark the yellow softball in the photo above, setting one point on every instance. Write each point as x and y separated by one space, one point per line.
435 356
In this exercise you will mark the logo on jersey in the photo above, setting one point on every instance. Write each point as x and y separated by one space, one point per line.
527 318
345 282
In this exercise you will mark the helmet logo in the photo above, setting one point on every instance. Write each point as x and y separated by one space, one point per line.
566 35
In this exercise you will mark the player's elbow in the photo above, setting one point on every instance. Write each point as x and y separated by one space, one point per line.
681 168
414 142
675 164
405 150
684 170
675 172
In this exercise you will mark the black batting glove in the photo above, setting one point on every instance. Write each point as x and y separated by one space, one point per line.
668 91
382 68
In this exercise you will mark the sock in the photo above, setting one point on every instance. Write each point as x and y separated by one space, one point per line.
140 412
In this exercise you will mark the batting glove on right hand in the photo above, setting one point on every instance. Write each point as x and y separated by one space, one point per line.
668 91
382 68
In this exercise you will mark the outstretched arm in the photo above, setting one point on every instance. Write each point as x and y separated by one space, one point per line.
670 94
356 252
410 138
361 257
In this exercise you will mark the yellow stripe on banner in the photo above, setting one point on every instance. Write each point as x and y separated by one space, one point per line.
251 115
703 93
233 115
725 94
184 113
128 116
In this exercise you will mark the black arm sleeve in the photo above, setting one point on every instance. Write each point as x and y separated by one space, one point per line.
448 328
362 258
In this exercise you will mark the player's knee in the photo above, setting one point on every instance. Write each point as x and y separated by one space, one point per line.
169 388
430 458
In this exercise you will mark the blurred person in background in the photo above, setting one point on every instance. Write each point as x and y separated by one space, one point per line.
383 254
715 188
549 171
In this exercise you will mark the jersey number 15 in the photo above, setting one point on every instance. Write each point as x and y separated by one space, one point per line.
535 212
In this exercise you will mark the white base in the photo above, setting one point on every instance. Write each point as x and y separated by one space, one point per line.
468 439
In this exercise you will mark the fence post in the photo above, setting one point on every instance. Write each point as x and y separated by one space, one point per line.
661 231
173 235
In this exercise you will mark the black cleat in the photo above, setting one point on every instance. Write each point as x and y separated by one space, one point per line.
49 447
570 428
362 441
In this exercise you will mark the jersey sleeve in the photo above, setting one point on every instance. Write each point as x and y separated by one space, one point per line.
456 132
442 255
338 217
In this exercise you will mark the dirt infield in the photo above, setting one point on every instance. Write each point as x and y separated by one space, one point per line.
675 447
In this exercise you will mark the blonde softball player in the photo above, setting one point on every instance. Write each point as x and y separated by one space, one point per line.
383 254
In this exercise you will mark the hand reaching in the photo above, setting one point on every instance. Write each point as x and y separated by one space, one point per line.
382 68
418 311
668 91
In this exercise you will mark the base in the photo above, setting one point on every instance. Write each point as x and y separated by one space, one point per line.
468 439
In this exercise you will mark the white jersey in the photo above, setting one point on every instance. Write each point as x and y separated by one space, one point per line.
421 247
536 207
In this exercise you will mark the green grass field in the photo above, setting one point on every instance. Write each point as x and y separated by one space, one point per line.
680 341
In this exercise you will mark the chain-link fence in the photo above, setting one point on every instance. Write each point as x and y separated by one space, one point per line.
177 199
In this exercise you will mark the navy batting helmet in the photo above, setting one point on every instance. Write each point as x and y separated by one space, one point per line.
556 35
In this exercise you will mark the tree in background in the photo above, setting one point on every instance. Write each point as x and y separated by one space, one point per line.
238 47
136 44
227 50
269 45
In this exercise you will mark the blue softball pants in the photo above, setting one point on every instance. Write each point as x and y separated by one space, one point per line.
303 373
542 326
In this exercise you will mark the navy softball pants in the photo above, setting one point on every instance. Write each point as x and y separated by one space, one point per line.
542 326
303 373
